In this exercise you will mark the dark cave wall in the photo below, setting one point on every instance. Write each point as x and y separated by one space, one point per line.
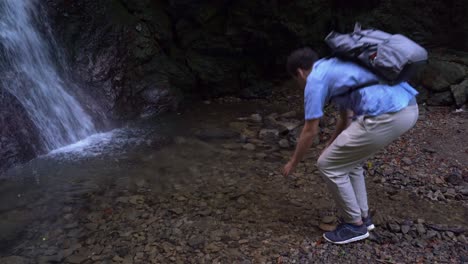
145 56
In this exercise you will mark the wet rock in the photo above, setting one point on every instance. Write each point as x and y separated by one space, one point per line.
213 248
215 133
19 137
269 134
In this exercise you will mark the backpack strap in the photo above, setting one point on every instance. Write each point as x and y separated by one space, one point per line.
355 88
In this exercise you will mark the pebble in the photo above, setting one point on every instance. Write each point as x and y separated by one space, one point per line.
249 146
268 134
289 114
407 161
394 227
327 227
284 143
405 229
328 219
431 234
421 229
256 118
196 241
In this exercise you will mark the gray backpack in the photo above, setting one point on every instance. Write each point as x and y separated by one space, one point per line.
394 58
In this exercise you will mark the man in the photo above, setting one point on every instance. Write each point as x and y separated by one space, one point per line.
381 114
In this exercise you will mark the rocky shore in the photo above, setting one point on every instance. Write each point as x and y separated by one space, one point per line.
215 195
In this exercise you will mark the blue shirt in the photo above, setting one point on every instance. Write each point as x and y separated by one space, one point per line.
332 77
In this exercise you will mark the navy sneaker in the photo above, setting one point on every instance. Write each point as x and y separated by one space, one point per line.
346 233
368 222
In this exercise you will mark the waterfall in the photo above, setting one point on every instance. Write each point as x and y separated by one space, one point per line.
29 71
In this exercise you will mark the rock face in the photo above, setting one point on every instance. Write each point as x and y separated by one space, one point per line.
19 140
142 57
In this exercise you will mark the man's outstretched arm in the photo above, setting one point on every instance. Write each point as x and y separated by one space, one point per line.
309 132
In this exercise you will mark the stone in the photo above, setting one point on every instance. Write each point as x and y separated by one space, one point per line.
213 248
430 234
460 93
284 143
249 146
196 241
394 227
441 99
462 239
328 219
234 234
327 227
405 229
256 118
407 161
439 75
290 114
421 229
268 134
464 191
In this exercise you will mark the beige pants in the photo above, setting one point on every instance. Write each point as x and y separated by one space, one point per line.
341 163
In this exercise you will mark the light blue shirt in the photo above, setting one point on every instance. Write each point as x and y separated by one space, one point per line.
332 77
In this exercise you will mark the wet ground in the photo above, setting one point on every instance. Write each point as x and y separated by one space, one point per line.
202 186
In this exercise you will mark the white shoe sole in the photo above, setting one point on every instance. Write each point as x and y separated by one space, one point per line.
371 227
354 239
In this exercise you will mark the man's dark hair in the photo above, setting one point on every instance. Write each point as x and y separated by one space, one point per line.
301 59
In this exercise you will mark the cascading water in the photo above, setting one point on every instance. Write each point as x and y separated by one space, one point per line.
29 73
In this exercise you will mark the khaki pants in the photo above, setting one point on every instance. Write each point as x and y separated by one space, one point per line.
341 163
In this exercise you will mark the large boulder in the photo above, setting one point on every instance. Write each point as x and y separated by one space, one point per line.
439 75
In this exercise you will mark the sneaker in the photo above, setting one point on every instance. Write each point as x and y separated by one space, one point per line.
368 222
346 233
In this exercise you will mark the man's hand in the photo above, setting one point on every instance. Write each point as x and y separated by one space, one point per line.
308 134
288 168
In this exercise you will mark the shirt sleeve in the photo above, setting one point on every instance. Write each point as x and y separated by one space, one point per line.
315 94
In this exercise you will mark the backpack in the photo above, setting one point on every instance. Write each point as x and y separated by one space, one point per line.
394 58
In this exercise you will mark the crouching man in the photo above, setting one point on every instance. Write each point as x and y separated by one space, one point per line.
382 113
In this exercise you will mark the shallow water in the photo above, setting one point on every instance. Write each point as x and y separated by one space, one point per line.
215 184
143 151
